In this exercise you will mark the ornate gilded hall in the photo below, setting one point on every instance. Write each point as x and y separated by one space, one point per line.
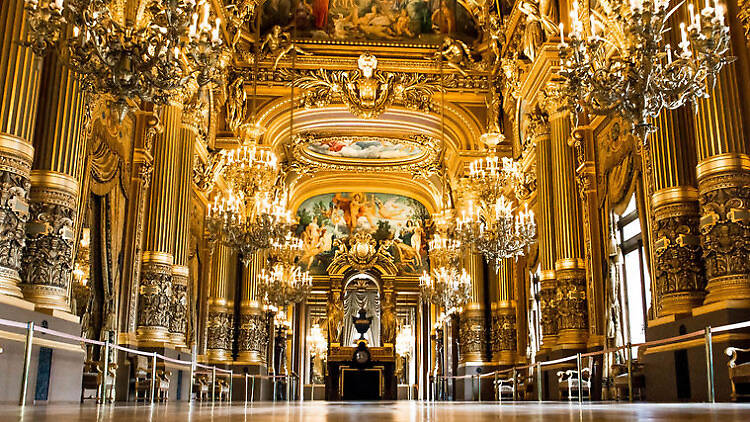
279 208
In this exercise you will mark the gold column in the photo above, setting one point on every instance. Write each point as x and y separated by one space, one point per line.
472 326
183 183
538 126
19 86
155 287
503 334
570 271
678 274
723 173
252 337
221 305
55 176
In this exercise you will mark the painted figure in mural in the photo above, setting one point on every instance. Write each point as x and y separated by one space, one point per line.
335 311
314 241
443 19
320 10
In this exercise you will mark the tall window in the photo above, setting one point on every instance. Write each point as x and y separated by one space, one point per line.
636 287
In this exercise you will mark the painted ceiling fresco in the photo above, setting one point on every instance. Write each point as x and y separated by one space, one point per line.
421 21
327 217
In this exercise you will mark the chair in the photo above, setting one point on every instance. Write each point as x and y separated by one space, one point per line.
621 380
739 373
569 383
504 387
201 387
141 380
92 380
525 384
222 390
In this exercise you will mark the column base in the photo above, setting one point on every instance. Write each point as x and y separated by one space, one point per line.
152 335
218 355
178 340
572 339
46 297
251 357
9 280
681 302
728 288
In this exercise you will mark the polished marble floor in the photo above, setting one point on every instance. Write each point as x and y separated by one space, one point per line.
380 412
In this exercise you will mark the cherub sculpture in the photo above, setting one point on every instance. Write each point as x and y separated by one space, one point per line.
279 43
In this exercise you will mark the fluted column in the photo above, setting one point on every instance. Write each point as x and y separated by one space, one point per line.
252 339
155 287
570 271
678 271
723 173
503 334
221 305
472 328
539 128
19 91
183 183
55 178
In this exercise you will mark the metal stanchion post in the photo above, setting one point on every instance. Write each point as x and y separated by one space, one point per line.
231 385
288 383
515 380
496 388
27 362
312 389
580 379
105 374
192 375
629 355
710 365
252 392
153 377
245 388
213 384
539 389
479 388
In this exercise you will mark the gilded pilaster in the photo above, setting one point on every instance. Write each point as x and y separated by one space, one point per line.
503 328
252 338
678 264
19 86
183 183
539 128
155 287
472 328
723 174
221 305
570 271
56 174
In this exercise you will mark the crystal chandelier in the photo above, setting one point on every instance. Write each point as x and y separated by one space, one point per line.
316 342
637 75
247 226
492 228
126 60
249 169
284 282
446 287
405 341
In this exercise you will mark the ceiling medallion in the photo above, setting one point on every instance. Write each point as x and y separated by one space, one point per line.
366 91
417 155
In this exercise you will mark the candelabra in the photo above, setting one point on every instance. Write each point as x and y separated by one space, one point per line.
284 283
316 342
637 75
249 169
444 251
128 60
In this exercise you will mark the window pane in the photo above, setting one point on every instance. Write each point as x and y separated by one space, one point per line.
635 298
631 229
631 206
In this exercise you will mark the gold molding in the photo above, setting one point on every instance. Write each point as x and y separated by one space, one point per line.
677 194
49 179
16 146
158 257
722 163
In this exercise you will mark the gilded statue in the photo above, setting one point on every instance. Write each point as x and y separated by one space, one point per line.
388 320
456 54
540 25
335 311
235 105
279 43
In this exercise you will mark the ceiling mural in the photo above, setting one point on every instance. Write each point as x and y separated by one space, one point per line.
358 20
364 147
387 217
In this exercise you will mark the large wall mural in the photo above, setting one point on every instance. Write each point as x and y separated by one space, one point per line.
370 148
325 218
423 21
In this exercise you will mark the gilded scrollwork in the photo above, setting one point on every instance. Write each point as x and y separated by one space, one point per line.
549 312
155 295
14 213
503 332
367 91
253 334
219 330
178 309
571 299
472 332
725 225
